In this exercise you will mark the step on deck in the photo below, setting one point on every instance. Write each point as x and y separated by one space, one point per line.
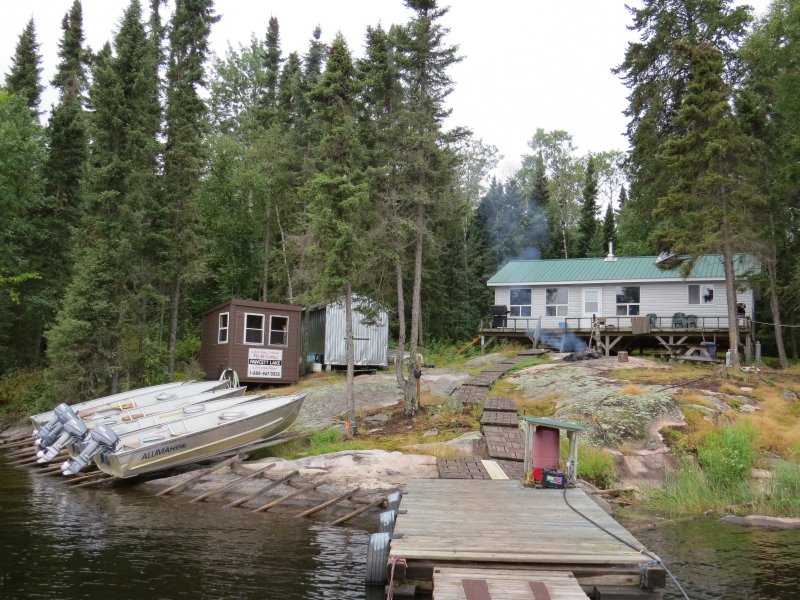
505 443
469 467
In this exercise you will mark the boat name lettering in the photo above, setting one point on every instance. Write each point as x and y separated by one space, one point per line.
160 451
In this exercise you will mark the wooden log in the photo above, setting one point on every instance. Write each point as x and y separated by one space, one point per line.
20 444
231 484
613 492
29 449
94 481
85 477
325 505
359 511
14 438
297 492
203 473
263 490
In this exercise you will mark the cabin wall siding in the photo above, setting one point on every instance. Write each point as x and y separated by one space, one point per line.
663 298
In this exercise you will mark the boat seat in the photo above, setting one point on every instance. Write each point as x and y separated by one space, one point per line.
231 416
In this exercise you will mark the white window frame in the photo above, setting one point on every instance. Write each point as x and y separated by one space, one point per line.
558 307
286 331
589 313
226 329
263 323
520 306
701 297
627 305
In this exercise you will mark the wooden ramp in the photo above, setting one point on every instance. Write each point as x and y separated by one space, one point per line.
452 583
494 524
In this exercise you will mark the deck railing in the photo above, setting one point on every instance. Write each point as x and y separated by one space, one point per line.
661 324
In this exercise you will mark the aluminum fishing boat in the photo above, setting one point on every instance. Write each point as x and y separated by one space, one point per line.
187 439
136 399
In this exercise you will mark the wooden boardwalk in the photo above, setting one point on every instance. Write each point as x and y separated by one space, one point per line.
453 583
489 524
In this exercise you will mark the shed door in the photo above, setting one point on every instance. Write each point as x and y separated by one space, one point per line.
592 302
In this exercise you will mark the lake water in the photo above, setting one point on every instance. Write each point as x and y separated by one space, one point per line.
61 543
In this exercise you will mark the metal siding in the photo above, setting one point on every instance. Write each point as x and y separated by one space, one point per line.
316 331
371 352
625 268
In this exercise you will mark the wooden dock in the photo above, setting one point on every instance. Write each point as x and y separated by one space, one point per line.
452 583
500 524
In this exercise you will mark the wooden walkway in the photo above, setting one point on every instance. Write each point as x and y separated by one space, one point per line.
453 583
474 523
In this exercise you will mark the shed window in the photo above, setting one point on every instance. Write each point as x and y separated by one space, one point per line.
520 302
701 294
556 303
253 329
279 331
628 300
222 336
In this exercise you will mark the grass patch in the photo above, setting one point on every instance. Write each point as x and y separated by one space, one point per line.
594 465
726 455
783 495
530 362
322 442
631 390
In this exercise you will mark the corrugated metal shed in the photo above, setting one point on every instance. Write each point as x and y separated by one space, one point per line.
327 335
624 268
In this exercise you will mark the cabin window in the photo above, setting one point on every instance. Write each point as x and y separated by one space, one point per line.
222 336
520 302
253 329
279 331
556 302
701 294
628 300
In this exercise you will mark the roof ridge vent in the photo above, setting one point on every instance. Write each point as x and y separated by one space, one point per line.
610 257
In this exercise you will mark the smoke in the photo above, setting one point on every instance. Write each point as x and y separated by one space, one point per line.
529 253
566 341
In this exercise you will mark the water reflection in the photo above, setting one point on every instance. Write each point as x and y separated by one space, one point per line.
65 543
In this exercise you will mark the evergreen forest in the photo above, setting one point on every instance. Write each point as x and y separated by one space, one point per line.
167 179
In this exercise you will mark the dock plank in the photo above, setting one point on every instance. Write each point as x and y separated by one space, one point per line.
506 584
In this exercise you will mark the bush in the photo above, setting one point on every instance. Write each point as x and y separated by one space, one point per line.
595 466
25 393
726 455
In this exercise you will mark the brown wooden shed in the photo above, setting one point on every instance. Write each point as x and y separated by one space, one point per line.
261 340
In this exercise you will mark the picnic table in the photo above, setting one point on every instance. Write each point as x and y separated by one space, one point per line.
691 352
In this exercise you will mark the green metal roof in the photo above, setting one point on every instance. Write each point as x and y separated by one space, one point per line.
625 268
551 423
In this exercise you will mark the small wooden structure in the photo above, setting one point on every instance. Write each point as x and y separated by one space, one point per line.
453 583
261 340
531 424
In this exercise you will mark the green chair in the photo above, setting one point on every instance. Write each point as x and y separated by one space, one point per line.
691 321
653 318
679 320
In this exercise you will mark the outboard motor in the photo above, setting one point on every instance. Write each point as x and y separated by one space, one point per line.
47 430
102 441
74 432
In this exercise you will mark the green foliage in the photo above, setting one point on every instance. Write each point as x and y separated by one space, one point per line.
321 442
726 455
25 393
23 79
587 224
595 466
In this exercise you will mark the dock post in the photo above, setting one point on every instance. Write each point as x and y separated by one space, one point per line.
572 436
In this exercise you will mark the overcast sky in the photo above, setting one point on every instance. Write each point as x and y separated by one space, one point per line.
527 63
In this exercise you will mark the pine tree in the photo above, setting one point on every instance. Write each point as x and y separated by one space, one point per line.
86 349
587 224
623 197
340 210
183 153
24 79
268 103
609 225
314 60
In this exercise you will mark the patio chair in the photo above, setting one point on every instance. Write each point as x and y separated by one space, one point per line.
679 320
653 318
691 321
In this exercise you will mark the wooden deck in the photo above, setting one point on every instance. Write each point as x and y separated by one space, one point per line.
502 524
452 583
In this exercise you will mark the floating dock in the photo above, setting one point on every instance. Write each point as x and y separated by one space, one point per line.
486 525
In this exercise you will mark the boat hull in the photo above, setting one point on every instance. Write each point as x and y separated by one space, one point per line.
195 446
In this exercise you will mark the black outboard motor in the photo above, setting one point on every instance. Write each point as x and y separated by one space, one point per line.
63 413
102 441
74 432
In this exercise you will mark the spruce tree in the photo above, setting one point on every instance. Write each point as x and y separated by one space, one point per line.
272 66
185 118
340 209
609 226
86 349
587 223
24 79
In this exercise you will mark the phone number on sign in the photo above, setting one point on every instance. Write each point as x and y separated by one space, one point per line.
258 373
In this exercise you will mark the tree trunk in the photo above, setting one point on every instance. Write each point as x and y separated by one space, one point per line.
115 368
37 345
351 390
401 336
285 260
266 257
411 398
161 327
142 322
173 325
730 289
776 311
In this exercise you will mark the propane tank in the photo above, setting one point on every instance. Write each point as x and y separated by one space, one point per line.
729 358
